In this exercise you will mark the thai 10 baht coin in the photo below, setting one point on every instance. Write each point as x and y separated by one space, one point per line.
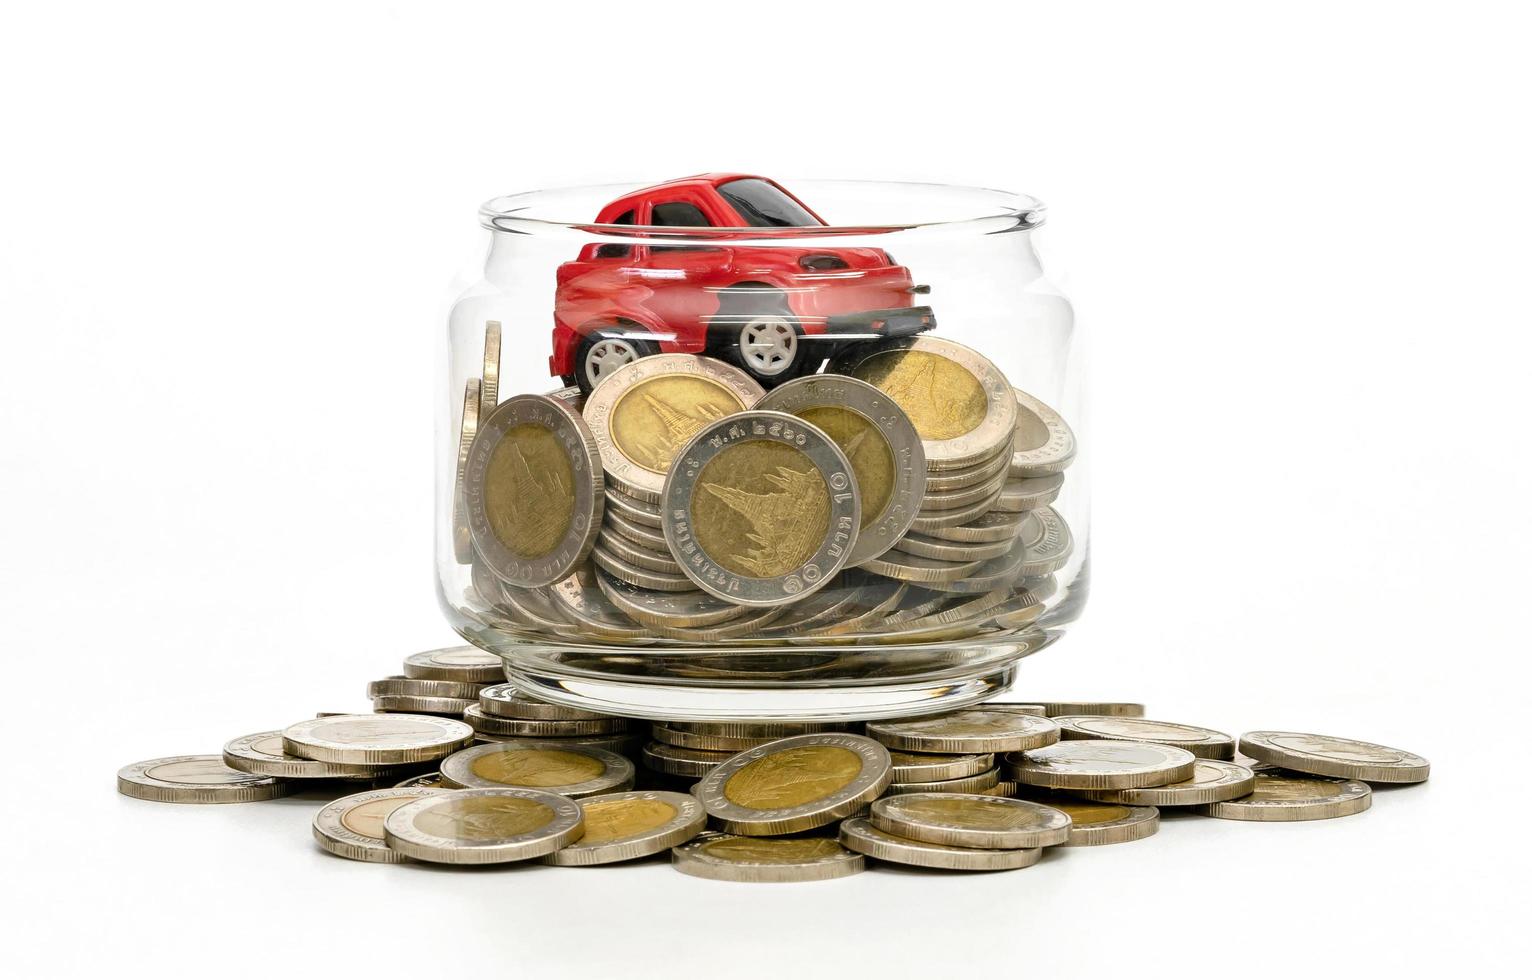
1101 764
1029 493
507 701
196 779
640 512
881 443
426 780
1205 743
1212 781
624 826
462 538
1092 824
483 826
1284 796
376 739
796 783
991 526
961 820
860 834
467 664
484 722
489 387
980 782
644 412
568 770
728 857
409 704
352 826
1043 443
675 760
1048 541
959 402
1343 758
417 687
666 610
981 729
1120 709
262 754
593 613
533 490
761 508
921 767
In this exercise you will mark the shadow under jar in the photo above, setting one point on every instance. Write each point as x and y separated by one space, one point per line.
705 454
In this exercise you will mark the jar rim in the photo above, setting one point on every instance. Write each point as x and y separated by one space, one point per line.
932 208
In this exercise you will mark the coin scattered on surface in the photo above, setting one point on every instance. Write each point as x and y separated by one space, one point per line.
568 770
917 767
196 779
1093 823
1343 758
796 783
727 857
376 739
262 755
1101 764
1204 743
483 826
507 701
406 704
1212 781
980 782
982 729
970 821
624 826
859 834
487 724
467 664
426 780
352 826
423 688
1120 709
677 761
1282 796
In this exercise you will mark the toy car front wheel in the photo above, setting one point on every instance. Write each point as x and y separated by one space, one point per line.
604 351
757 332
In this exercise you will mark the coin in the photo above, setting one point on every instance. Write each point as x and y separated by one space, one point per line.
989 526
638 511
376 739
752 621
963 496
879 440
644 412
859 834
950 611
761 509
352 826
709 743
422 688
1121 709
482 721
977 783
1106 823
489 388
1043 443
533 490
913 568
426 780
1029 493
1101 764
1282 796
635 554
507 701
1212 781
1205 743
677 761
644 578
666 609
406 704
262 755
462 537
468 664
650 538
624 744
196 779
959 402
483 826
624 826
796 783
1020 706
981 472
1344 758
997 573
1047 540
922 767
964 820
568 770
929 547
931 521
727 857
594 613
981 729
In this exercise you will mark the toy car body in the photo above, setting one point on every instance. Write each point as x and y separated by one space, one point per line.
775 311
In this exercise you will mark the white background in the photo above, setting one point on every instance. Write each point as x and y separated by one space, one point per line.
1296 232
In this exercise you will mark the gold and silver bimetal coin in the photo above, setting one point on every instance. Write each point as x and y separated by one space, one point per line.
796 783
1212 781
982 729
1101 764
1120 709
196 779
418 687
1043 443
468 427
880 441
674 760
533 490
1205 743
483 826
859 834
352 826
262 754
489 384
1285 796
376 739
644 412
624 826
1092 824
761 508
469 665
1342 758
965 820
507 701
568 770
959 402
728 857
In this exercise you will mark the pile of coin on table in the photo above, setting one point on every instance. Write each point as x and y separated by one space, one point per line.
504 777
900 496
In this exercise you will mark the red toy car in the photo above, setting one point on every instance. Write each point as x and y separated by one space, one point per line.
776 312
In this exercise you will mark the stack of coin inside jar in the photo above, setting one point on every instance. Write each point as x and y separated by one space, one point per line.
900 496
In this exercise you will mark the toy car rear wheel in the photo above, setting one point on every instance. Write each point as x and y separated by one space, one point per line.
604 351
757 332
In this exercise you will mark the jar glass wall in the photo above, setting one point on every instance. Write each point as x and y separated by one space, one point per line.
732 448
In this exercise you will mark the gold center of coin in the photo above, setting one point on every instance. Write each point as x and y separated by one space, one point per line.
475 818
607 820
793 777
940 396
200 772
361 731
537 768
864 445
1092 813
1285 788
760 509
529 491
366 819
1345 751
986 815
655 418
772 850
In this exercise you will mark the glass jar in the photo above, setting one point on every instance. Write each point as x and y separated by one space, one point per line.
704 454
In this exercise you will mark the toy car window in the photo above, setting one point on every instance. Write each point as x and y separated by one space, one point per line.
610 251
678 214
763 205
